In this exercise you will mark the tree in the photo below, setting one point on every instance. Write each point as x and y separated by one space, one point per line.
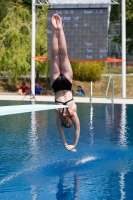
4 5
116 17
15 34
15 39
129 25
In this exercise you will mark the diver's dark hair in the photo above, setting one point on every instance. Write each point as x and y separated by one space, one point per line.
66 121
66 125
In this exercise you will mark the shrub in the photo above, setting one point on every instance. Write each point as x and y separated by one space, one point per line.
87 71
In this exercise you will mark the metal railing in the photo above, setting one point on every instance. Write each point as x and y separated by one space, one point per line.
106 96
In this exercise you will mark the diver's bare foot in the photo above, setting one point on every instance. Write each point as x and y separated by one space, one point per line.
53 19
59 22
56 21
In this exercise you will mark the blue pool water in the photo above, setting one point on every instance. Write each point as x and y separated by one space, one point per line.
35 166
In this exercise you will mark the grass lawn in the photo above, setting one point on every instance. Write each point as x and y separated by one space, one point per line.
116 70
99 87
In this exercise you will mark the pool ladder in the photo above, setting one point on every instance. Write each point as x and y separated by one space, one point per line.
106 96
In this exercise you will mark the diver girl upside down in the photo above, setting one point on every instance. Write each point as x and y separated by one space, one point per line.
61 81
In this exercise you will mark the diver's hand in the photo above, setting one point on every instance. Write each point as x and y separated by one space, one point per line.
70 147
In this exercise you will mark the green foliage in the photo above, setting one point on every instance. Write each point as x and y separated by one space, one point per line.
28 2
3 8
88 71
116 15
15 39
41 40
129 25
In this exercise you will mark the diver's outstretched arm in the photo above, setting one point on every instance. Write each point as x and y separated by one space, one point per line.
76 122
61 131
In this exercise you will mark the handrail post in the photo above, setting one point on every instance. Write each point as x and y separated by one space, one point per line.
112 89
91 91
111 77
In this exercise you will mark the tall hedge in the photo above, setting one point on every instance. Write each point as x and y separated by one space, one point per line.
88 71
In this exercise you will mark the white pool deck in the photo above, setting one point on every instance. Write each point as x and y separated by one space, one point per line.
16 97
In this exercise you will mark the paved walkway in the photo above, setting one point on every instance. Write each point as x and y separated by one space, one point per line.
16 97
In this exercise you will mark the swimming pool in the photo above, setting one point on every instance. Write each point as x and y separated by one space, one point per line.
35 165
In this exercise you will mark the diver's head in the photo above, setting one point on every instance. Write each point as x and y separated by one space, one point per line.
66 121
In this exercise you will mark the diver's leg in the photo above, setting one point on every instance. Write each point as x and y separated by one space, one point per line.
54 67
65 65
